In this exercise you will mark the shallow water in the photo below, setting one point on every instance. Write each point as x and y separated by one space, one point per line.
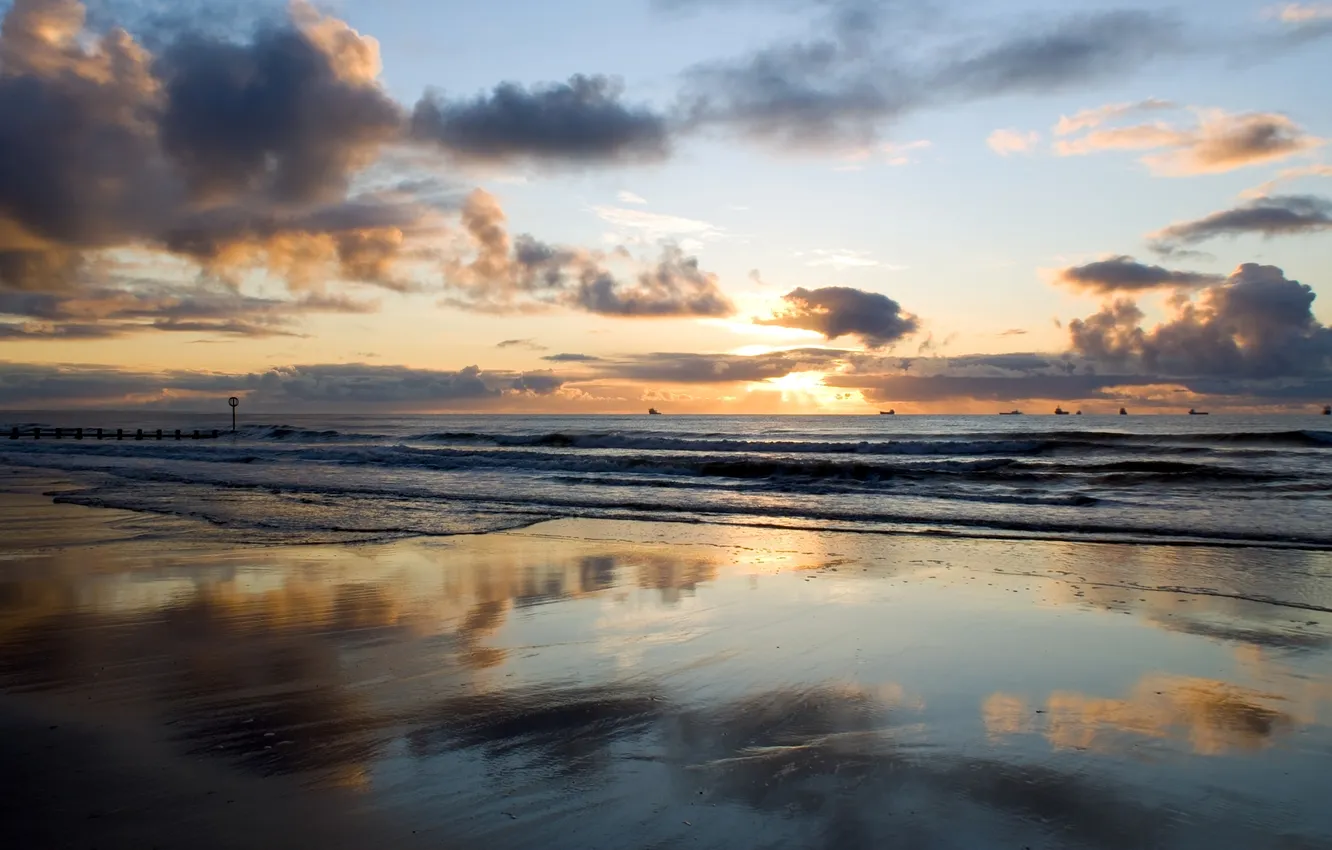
1233 480
619 684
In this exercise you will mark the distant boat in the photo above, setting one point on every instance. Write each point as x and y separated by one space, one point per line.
1327 410
1010 413
1123 411
1059 411
652 411
887 412
1193 412
1079 412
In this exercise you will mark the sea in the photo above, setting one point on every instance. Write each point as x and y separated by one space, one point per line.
1227 480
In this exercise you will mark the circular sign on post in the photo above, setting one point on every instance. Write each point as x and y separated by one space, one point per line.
233 401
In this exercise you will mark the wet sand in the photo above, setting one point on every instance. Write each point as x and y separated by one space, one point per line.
613 684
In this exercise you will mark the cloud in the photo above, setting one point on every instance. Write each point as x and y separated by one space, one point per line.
1087 119
626 197
225 151
840 258
1005 142
841 88
837 311
571 358
1124 274
1278 215
506 275
581 121
529 344
1014 332
676 286
903 154
891 153
640 225
292 114
1302 13
111 311
1256 325
686 368
1219 142
1286 175
1076 49
1249 338
352 386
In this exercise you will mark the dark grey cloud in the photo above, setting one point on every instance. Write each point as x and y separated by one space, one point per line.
529 344
1124 274
224 149
843 86
837 311
538 383
48 332
571 358
1278 215
685 368
111 311
797 96
283 115
1258 325
321 386
582 121
1074 50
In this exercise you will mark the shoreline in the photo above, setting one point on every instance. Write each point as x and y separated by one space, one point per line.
907 527
539 687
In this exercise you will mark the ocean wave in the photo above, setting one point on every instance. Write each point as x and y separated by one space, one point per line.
1033 442
772 468
523 509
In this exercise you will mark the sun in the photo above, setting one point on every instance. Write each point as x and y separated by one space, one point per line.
806 389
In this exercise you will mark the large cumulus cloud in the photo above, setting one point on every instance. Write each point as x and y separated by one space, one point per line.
212 149
1249 337
1258 324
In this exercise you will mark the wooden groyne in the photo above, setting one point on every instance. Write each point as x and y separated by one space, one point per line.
16 433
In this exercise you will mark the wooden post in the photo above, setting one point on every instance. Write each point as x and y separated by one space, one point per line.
57 433
159 433
99 433
138 435
214 433
36 433
196 433
13 435
178 435
78 433
120 433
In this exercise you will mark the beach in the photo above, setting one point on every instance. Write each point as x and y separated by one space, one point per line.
588 682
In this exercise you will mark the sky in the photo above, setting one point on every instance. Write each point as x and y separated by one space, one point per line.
703 206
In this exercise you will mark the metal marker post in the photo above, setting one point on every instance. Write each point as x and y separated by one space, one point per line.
233 401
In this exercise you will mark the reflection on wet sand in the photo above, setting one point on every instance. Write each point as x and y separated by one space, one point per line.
721 687
1212 717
